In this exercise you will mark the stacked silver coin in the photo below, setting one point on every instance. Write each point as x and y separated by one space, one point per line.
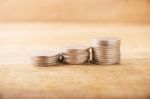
46 58
106 51
75 54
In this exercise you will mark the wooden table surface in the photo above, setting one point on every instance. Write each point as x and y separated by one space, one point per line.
20 80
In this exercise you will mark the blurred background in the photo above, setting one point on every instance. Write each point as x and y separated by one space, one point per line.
122 11
34 24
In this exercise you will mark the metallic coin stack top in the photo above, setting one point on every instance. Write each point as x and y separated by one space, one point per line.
106 51
75 54
45 58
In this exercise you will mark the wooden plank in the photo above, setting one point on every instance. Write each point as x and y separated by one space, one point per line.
130 80
20 80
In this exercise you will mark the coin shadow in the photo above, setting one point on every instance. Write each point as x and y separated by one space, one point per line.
87 64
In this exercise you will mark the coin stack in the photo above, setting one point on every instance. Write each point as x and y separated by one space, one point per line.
106 51
46 58
75 54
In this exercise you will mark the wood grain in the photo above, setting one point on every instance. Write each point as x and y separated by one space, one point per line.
20 80
130 80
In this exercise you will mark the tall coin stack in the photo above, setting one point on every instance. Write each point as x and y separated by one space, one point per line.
106 51
75 54
46 58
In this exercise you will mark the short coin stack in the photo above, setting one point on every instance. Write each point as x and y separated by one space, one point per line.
46 58
106 51
75 55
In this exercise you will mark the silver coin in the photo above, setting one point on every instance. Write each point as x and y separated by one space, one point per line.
75 54
106 51
46 58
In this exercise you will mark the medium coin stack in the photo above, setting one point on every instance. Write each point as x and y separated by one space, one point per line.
46 58
106 51
75 54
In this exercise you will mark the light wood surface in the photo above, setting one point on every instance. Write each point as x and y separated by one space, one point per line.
127 81
20 80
